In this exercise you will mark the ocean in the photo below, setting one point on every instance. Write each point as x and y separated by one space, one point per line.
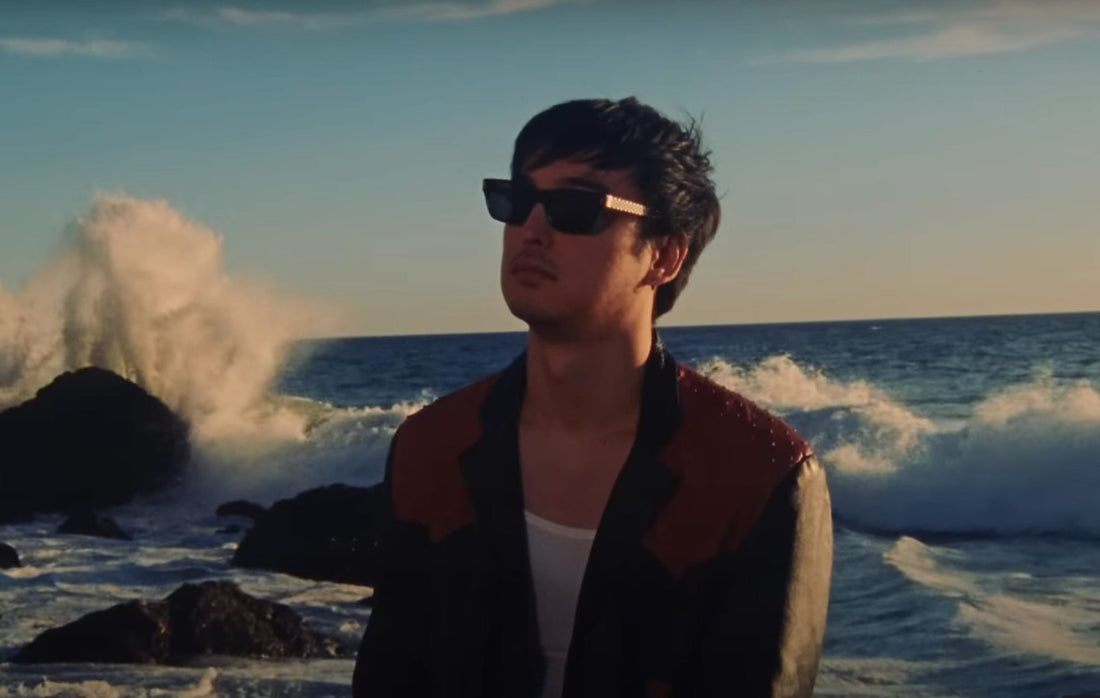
963 458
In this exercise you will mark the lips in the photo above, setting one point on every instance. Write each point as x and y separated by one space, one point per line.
528 266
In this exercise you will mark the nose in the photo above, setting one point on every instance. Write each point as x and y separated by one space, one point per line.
536 229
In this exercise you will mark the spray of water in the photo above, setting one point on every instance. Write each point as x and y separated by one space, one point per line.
139 289
854 426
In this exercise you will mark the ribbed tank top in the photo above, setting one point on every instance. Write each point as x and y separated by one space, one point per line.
559 555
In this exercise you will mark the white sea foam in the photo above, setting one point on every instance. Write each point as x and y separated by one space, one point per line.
853 425
1028 459
60 689
916 561
851 677
1063 628
307 678
780 383
346 445
24 572
205 687
139 289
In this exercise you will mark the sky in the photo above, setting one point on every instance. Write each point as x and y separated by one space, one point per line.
874 159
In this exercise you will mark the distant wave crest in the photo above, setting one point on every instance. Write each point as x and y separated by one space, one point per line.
1026 462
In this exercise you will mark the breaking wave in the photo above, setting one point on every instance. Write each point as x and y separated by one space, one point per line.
1027 461
138 289
1061 627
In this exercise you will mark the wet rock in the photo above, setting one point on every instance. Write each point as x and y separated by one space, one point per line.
327 533
219 618
87 523
241 507
134 632
213 617
88 439
8 557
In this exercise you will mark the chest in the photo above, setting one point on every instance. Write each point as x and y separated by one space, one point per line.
567 477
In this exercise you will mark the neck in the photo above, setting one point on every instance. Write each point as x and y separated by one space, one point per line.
589 384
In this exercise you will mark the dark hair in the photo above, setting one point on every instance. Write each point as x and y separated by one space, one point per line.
665 158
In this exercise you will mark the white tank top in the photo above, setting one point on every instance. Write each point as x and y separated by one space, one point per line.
559 555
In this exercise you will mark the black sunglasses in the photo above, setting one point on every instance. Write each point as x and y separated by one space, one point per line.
572 211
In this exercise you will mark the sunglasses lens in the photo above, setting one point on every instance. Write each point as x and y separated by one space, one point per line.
505 203
575 212
572 211
500 206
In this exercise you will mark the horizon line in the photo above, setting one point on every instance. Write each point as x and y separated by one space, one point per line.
721 324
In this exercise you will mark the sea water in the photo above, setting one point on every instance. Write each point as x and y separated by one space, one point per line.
962 457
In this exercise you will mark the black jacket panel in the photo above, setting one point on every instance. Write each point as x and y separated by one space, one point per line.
709 574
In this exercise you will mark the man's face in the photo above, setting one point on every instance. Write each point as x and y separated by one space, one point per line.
577 284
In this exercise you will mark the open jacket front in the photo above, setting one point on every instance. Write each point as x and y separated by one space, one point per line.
709 574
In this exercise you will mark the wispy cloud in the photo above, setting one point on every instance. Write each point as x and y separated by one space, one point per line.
953 31
459 11
951 42
239 17
42 47
228 16
907 17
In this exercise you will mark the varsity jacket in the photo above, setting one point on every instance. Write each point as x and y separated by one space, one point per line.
708 576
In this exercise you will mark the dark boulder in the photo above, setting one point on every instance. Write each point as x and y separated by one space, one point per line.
8 557
219 618
241 507
328 533
87 523
88 439
136 632
209 618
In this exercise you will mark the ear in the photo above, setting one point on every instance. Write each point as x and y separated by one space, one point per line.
668 257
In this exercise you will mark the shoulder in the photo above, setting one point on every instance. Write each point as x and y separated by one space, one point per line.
730 432
425 474
729 457
450 420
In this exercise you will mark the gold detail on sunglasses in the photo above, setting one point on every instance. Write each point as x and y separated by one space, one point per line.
616 203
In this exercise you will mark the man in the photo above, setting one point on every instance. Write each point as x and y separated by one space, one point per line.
596 520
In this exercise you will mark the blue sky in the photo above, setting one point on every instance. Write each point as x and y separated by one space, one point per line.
876 159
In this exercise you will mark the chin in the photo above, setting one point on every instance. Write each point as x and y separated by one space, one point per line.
533 308
530 312
548 323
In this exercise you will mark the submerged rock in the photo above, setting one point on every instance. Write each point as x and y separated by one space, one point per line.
8 557
87 523
241 507
88 439
214 617
327 533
